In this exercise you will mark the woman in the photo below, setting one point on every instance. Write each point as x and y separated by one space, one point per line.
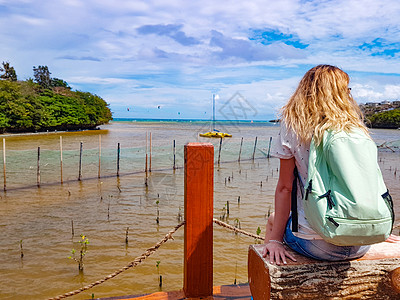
321 101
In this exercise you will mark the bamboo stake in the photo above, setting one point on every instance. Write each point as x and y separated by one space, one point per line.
38 167
240 150
269 146
61 161
255 145
118 155
80 162
174 156
21 249
150 154
126 235
99 155
4 163
219 150
145 167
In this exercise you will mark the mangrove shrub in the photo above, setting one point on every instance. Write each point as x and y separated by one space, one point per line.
25 106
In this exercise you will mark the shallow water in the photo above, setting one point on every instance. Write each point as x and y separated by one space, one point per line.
103 208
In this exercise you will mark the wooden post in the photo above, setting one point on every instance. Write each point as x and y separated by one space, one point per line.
4 163
269 146
61 161
219 150
99 156
118 155
174 155
145 167
38 167
80 162
255 145
150 154
198 241
240 150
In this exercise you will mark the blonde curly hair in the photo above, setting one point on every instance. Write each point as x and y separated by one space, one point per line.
322 101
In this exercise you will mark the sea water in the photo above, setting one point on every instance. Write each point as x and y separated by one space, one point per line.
40 219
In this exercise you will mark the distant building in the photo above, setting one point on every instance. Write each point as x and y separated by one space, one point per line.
385 102
372 104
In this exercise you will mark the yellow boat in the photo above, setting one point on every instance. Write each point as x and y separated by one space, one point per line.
215 134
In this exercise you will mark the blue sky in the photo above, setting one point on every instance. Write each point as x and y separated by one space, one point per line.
165 59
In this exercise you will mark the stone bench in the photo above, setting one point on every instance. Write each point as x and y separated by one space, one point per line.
374 276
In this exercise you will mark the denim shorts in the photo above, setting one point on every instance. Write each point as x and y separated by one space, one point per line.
321 250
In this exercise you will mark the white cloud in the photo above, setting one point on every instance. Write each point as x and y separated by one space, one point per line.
392 92
208 45
375 92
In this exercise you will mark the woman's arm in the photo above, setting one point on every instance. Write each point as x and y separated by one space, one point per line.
282 210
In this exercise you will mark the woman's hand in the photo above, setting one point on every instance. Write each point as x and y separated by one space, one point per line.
393 239
277 252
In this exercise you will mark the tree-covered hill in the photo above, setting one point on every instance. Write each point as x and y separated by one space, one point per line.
48 104
385 119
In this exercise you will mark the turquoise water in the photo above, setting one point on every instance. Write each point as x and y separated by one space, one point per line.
103 208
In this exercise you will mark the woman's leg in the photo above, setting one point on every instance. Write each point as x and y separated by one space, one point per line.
320 249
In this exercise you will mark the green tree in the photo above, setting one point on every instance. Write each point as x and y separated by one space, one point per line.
25 107
9 72
385 119
56 82
42 76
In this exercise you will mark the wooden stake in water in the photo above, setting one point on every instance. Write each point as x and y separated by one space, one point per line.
99 155
174 156
4 163
219 150
21 249
145 169
38 167
269 146
240 150
118 155
146 151
150 154
80 162
61 161
126 235
145 166
255 145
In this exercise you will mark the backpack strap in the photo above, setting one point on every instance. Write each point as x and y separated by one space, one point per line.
295 217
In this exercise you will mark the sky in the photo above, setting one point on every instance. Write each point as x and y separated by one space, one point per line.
166 59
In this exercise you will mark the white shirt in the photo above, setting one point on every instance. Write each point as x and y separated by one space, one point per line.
287 145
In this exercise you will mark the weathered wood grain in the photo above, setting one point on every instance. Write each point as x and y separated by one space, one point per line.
375 276
198 242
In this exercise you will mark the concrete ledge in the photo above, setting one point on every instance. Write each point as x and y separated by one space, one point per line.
374 276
